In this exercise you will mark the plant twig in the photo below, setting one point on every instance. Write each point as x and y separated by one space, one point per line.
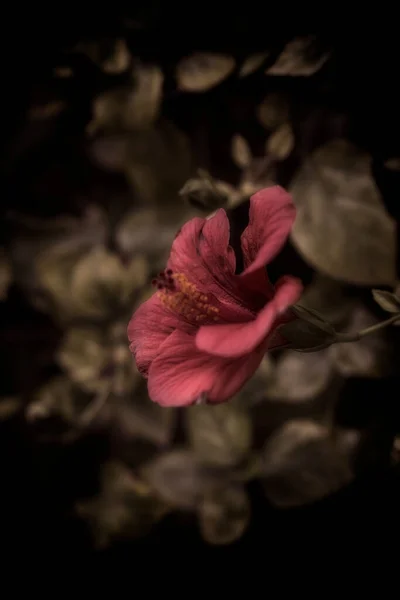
343 338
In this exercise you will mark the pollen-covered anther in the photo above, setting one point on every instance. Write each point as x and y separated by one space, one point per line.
177 293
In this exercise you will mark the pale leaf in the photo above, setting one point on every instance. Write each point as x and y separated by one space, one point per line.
342 228
204 192
101 284
301 464
138 417
386 300
300 377
241 152
146 232
261 173
252 63
299 59
57 398
179 478
220 434
224 514
144 102
281 143
203 71
96 360
119 61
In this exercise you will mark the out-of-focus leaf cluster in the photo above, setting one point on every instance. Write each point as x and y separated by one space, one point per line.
89 272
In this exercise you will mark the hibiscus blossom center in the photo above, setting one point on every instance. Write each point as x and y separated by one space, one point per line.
178 294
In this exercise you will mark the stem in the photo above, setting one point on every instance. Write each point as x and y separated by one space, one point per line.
343 338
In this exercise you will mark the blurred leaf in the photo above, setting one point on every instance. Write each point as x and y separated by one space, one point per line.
159 161
139 417
299 58
85 355
347 441
220 435
368 357
119 61
124 508
241 152
273 111
393 163
252 63
301 464
9 407
253 391
149 232
387 300
202 71
260 173
300 377
342 228
328 298
144 103
90 283
281 143
57 398
95 361
110 151
224 514
45 252
101 283
130 108
5 274
204 192
179 478
309 332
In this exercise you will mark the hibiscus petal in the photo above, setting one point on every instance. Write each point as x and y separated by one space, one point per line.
215 250
201 251
238 339
271 217
148 328
181 374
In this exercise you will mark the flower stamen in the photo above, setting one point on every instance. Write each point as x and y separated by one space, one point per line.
178 294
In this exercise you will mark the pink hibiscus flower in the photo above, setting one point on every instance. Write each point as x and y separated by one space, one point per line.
203 334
